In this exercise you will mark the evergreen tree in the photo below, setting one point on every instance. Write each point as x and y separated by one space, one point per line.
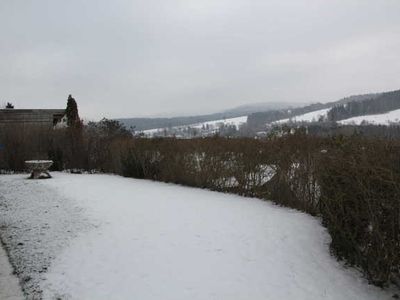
73 119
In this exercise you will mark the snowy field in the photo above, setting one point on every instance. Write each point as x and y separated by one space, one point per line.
213 125
109 237
232 122
313 116
379 119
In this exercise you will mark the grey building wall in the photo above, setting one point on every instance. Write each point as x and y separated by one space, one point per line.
30 117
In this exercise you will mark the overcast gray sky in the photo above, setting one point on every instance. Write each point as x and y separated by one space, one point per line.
122 58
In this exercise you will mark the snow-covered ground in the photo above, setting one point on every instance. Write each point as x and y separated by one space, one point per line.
36 224
211 125
232 122
313 116
379 119
146 240
9 285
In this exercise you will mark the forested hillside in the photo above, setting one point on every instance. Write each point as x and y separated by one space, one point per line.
375 105
139 124
257 121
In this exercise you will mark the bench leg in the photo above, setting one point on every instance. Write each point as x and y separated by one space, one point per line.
36 174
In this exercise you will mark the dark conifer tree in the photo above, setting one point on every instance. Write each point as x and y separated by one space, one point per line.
72 113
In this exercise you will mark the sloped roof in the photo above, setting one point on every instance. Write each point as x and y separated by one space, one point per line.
30 115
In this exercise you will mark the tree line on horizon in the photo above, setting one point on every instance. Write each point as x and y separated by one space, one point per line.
342 109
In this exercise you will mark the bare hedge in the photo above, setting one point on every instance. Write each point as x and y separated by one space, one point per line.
352 183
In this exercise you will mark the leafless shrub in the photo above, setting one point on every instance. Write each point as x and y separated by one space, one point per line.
352 183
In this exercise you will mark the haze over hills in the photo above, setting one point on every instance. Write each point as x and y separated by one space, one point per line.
258 114
259 119
139 124
262 107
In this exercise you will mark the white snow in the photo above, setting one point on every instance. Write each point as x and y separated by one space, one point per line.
213 125
9 285
36 224
38 161
152 131
378 119
161 241
231 121
313 116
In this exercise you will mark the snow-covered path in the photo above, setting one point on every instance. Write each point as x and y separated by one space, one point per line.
9 285
159 241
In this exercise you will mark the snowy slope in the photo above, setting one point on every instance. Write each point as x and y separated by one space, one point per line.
213 125
159 241
232 121
379 119
313 116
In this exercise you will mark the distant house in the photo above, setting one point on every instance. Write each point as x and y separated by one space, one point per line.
45 118
62 123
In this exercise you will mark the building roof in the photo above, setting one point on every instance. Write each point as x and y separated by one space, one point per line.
31 116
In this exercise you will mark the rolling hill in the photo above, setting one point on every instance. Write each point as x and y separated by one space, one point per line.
141 124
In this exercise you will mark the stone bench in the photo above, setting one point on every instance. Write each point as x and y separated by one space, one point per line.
39 168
